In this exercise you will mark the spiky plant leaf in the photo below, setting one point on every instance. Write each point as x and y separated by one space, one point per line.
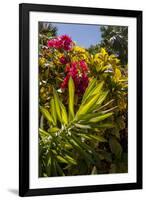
53 111
57 105
46 114
71 89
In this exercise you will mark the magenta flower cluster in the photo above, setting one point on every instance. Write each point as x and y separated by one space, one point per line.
78 71
61 42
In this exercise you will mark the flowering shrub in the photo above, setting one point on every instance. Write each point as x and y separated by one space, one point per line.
79 73
83 110
62 42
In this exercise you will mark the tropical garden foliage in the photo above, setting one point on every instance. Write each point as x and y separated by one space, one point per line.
82 107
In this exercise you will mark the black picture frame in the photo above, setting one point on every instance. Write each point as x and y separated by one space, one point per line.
24 120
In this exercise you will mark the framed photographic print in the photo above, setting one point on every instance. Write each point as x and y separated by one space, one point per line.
80 100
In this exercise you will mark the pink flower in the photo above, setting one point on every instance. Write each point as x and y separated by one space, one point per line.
67 42
78 71
83 66
61 42
63 60
54 43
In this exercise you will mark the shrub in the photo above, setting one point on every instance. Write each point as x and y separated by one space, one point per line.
83 110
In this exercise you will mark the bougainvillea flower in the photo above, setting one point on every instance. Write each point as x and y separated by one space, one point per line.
63 60
84 66
67 42
79 73
54 43
61 42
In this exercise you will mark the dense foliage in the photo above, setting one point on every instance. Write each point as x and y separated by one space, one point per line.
82 108
115 39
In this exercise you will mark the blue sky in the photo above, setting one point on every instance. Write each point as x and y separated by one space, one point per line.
84 35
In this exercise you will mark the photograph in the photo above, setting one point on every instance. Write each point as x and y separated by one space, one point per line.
83 99
80 99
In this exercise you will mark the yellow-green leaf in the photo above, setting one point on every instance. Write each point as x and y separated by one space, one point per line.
98 88
62 160
84 108
82 126
102 98
91 85
46 114
63 113
71 89
70 160
43 133
117 74
97 137
53 130
53 111
100 117
57 105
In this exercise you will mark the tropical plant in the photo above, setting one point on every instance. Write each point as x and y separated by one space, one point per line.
82 108
71 139
115 39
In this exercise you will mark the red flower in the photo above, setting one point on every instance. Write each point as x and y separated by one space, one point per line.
84 66
78 71
63 60
61 42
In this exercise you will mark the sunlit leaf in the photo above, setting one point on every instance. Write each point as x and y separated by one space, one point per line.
53 111
71 89
57 105
62 159
100 118
53 130
46 114
86 107
91 85
63 113
117 74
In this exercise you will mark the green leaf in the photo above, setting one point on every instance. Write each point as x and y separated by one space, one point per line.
97 137
91 85
71 89
102 98
83 109
82 126
47 134
61 159
53 111
57 105
115 147
105 105
59 170
79 149
42 122
88 117
53 130
100 118
117 75
43 133
63 113
54 169
89 104
49 165
70 160
46 114
98 88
